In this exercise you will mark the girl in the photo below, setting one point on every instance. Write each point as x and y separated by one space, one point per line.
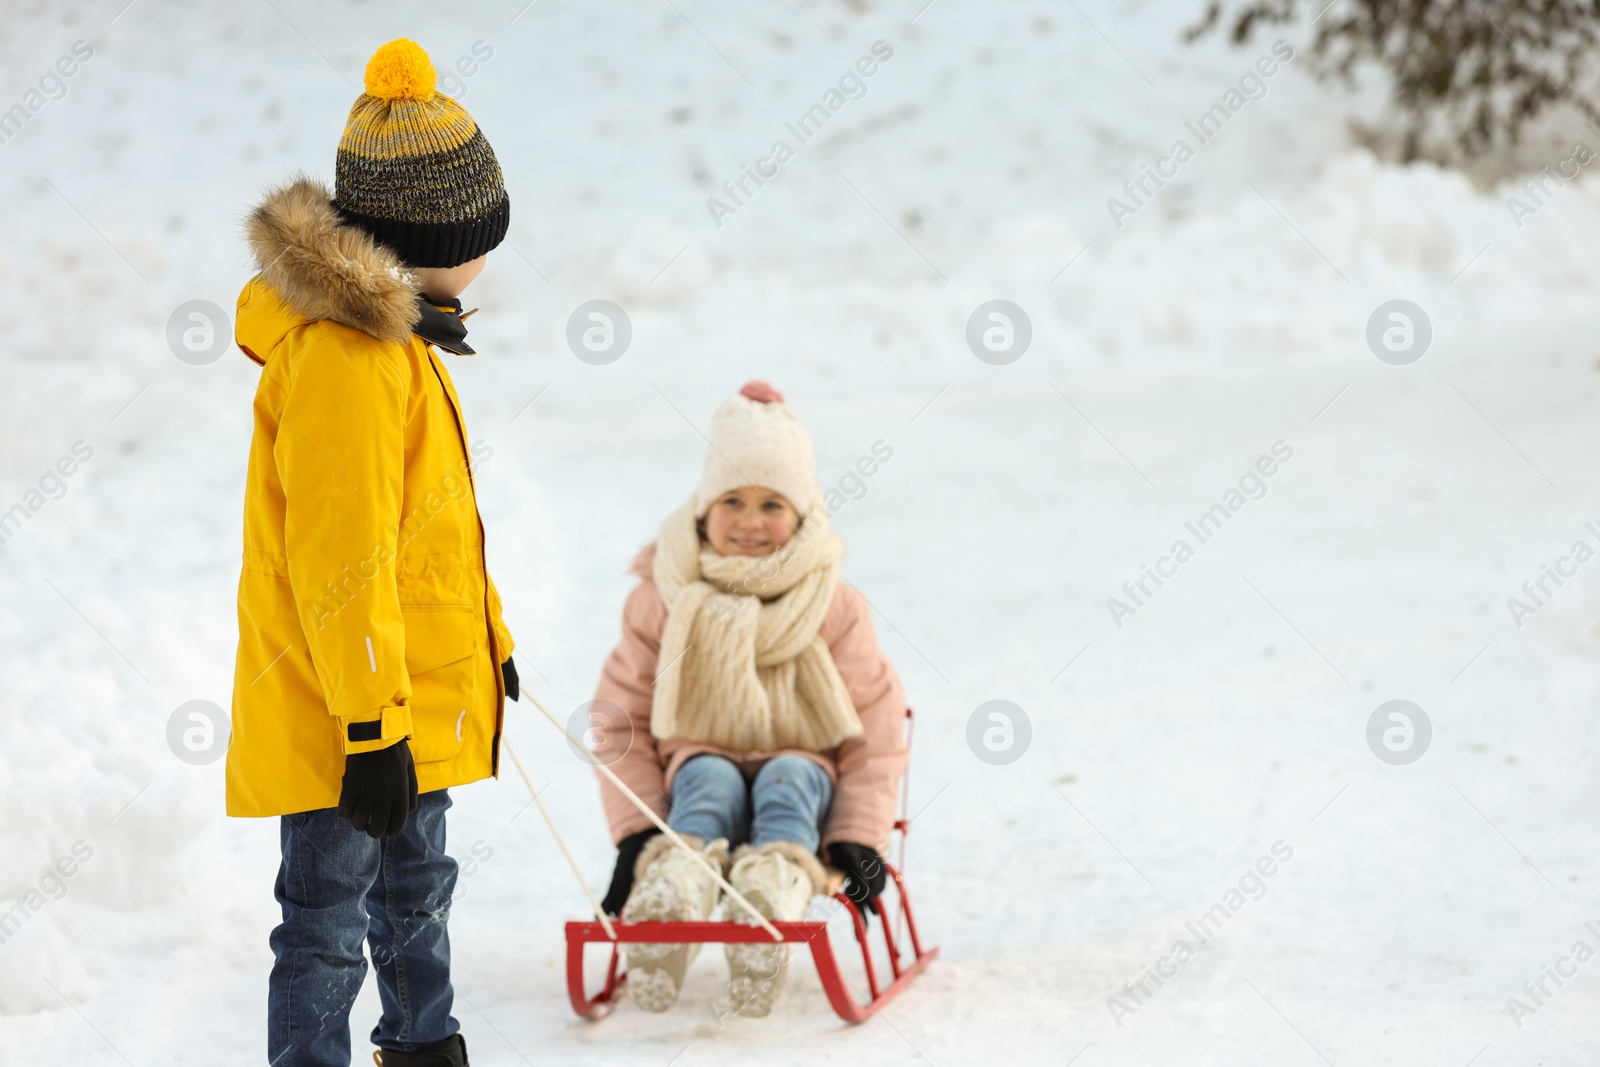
749 702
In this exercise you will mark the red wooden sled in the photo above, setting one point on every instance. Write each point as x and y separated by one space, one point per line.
845 999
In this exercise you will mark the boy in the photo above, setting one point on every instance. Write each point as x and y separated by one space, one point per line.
373 662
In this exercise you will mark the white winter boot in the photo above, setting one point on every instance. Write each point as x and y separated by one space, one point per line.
669 886
779 878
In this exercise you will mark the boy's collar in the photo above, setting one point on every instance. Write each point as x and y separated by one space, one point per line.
441 322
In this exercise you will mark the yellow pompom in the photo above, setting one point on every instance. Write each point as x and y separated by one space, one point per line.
400 70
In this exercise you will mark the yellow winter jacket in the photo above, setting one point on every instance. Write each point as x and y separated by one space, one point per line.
363 597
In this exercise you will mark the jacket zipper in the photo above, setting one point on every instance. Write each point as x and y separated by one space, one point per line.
483 540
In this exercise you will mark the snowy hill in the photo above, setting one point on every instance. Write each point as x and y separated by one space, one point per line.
1172 747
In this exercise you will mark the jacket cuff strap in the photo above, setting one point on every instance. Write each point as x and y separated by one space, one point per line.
375 730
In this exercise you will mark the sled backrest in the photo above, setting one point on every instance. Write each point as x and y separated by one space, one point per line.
902 824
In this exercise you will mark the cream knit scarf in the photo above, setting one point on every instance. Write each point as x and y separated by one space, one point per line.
742 666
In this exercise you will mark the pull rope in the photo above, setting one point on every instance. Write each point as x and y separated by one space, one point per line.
660 824
599 912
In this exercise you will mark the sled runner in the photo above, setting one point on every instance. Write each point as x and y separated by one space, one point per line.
906 955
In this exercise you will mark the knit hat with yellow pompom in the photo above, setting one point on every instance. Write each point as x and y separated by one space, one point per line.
414 170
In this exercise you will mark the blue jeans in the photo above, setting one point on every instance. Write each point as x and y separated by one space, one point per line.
787 801
337 886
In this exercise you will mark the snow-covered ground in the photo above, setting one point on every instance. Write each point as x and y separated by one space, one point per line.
1228 714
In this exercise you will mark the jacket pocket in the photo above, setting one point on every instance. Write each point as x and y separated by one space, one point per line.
441 642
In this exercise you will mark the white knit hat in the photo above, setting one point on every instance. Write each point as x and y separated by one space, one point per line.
756 440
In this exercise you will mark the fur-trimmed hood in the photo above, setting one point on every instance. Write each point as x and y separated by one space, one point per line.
323 268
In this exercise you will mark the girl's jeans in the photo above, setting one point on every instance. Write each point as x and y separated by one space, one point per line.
786 801
337 886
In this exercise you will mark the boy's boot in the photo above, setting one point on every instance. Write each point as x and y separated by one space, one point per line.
451 1052
669 886
779 878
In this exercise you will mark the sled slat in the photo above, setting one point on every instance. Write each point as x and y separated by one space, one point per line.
845 1001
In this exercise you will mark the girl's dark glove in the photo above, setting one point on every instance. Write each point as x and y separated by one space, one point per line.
622 878
508 671
379 790
864 867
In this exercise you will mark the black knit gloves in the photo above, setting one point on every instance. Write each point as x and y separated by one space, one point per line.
379 790
867 876
508 671
628 850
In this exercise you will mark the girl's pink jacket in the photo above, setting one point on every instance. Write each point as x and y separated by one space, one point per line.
866 770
